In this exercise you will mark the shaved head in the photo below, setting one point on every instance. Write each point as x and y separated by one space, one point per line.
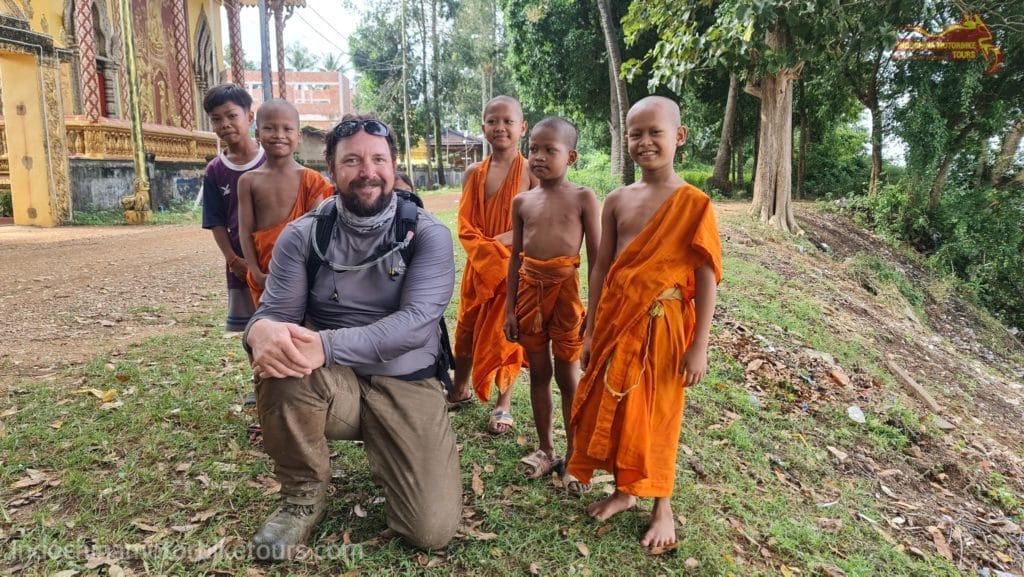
665 107
506 101
565 130
277 106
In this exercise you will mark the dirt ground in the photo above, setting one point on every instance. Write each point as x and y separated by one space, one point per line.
70 293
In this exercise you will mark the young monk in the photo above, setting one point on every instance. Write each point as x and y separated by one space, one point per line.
277 193
485 230
652 296
544 312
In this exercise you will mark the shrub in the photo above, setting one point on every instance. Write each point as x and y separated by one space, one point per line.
6 204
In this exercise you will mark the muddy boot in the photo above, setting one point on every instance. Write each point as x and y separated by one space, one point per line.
286 528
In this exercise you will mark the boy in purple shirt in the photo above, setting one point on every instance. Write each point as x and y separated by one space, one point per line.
229 107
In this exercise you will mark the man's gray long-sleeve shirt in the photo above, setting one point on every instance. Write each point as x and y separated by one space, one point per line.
374 322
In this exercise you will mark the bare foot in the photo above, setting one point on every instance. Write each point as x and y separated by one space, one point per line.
662 531
615 503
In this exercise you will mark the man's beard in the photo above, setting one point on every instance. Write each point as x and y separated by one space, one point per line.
355 206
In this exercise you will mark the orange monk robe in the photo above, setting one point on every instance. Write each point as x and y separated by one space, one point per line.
548 306
479 331
628 409
313 188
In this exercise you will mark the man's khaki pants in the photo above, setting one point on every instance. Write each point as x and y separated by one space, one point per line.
406 433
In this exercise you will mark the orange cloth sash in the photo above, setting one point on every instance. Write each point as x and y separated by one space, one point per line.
548 306
313 188
481 313
627 412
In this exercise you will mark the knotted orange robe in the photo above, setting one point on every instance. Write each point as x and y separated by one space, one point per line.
548 306
313 188
628 410
479 329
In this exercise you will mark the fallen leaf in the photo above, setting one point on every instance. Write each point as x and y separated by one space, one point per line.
603 479
477 483
662 549
206 554
9 412
57 425
202 516
34 478
691 564
583 549
488 468
65 573
485 536
521 440
832 571
940 542
603 530
143 526
754 365
839 377
92 562
183 467
359 511
534 569
106 323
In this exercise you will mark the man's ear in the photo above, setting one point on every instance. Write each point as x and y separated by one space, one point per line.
681 136
572 157
252 117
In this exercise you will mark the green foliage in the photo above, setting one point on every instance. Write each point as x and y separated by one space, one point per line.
980 237
837 165
976 234
6 203
593 170
875 271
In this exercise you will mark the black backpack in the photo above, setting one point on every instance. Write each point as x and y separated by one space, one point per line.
406 217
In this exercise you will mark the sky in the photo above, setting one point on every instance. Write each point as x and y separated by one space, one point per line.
322 26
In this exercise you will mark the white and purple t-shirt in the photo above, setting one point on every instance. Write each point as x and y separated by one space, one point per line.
220 201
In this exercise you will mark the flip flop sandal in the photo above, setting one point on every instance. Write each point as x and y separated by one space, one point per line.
538 464
500 418
461 404
574 486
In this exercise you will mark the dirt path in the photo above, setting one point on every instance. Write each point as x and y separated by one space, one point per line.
68 294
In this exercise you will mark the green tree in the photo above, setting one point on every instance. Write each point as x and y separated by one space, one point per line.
298 57
332 61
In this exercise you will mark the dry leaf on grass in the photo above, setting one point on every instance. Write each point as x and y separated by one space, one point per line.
34 477
359 511
534 569
583 549
662 549
202 516
603 530
940 542
477 483
105 396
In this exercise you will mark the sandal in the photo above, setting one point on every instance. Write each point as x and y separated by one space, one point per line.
538 464
498 419
461 403
574 486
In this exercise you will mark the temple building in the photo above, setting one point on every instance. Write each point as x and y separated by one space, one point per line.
65 128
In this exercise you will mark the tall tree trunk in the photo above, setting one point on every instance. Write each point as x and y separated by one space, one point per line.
773 186
805 136
981 170
436 89
876 148
1011 142
617 86
940 181
720 177
405 97
615 157
740 180
424 86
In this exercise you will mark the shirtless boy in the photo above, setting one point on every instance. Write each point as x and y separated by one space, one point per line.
485 230
544 312
652 296
277 193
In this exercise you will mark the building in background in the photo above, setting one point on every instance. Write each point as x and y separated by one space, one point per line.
321 97
65 136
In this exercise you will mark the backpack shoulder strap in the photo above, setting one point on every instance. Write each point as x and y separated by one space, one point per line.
407 215
319 237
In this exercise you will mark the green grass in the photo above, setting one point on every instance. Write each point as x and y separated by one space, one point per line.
169 473
181 214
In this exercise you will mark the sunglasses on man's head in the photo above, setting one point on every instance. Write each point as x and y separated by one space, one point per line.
370 126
